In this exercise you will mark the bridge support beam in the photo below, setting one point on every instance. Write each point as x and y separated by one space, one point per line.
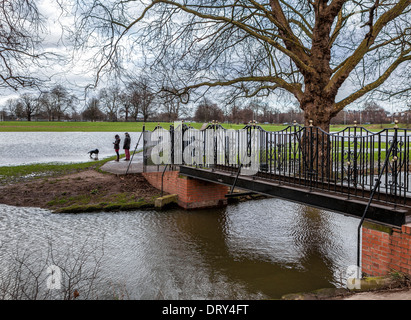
192 193
385 249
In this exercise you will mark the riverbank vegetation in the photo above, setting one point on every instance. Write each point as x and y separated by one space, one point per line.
74 188
22 173
77 189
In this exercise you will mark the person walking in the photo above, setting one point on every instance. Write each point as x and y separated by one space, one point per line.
117 146
126 146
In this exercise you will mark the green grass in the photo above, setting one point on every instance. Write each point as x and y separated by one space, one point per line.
11 174
109 207
87 203
371 127
32 126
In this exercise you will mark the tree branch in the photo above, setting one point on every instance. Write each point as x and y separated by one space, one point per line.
373 85
343 72
294 88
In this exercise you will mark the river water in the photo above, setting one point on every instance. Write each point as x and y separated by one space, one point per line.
251 250
261 249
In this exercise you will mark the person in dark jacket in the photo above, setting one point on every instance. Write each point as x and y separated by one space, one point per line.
117 146
126 146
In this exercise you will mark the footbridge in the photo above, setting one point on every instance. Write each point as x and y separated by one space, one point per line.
348 171
353 171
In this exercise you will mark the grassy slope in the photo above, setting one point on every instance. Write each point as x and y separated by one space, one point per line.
67 204
10 174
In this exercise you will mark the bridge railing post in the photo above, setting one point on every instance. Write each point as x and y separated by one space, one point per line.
395 162
392 151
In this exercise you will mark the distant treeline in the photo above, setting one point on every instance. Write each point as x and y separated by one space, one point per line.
135 102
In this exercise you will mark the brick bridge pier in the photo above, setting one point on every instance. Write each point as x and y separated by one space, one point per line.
191 193
385 249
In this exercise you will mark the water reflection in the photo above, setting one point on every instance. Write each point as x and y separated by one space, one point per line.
251 250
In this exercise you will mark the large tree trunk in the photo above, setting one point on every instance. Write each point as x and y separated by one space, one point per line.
316 145
318 114
317 101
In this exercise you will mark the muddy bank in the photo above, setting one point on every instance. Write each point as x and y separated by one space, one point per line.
83 191
87 191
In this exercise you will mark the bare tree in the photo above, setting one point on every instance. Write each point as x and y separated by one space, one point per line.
61 101
110 101
141 98
244 115
30 105
50 275
208 111
133 96
234 112
21 28
125 105
46 104
3 114
325 54
92 111
170 105
13 107
374 113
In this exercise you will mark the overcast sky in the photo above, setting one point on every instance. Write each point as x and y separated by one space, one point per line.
68 70
75 74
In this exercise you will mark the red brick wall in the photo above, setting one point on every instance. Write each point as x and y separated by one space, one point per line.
192 193
386 249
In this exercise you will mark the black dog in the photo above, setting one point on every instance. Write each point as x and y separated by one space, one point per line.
93 152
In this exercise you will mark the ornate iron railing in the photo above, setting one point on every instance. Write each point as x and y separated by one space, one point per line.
346 162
